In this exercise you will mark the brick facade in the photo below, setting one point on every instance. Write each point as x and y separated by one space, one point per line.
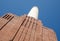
24 28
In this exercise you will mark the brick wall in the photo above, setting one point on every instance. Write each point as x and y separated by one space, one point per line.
24 28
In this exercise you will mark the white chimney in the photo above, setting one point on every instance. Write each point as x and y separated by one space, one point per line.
34 12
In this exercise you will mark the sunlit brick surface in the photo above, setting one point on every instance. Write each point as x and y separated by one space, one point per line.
24 28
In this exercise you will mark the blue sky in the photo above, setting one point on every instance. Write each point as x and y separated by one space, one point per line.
49 11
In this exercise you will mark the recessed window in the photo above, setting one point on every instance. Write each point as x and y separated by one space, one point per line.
7 16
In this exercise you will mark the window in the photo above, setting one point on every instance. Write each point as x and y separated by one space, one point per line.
7 16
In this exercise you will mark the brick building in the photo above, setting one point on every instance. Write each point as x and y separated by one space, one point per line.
24 28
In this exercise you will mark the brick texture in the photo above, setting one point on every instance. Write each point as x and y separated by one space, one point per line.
24 28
